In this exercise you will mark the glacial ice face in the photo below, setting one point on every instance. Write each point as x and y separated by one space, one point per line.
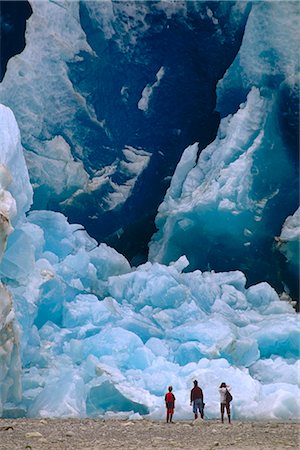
226 209
14 179
15 199
118 348
34 89
268 55
81 332
80 119
98 338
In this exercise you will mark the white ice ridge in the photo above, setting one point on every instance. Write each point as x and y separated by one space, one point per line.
289 241
143 103
134 163
131 166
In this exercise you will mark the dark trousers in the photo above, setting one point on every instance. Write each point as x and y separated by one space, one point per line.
223 406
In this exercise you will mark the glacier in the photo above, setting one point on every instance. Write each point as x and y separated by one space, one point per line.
79 118
84 333
95 337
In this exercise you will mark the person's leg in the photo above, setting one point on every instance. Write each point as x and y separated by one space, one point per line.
168 415
198 404
228 411
195 410
222 411
171 417
201 409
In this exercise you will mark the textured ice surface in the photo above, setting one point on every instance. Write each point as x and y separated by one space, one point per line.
120 346
207 204
268 55
288 241
15 199
94 137
226 207
84 334
48 154
16 191
10 363
97 337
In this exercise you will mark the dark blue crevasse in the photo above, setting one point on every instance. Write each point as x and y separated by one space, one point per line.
13 16
288 118
194 55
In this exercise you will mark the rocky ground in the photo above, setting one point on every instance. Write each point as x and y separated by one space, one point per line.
96 434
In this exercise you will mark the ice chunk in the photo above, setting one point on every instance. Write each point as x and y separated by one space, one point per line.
261 295
63 396
10 363
143 103
108 262
107 397
87 309
279 336
288 242
13 174
285 371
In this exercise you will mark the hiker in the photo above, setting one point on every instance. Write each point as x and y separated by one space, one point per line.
197 400
225 399
170 404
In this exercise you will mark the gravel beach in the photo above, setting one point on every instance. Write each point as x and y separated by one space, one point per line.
96 434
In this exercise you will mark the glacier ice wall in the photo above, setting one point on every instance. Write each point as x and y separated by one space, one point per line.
117 108
94 337
226 208
82 333
82 87
15 200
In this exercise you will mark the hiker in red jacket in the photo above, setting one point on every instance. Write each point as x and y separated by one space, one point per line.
197 400
170 404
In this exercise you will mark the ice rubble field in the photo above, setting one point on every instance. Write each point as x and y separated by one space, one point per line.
100 338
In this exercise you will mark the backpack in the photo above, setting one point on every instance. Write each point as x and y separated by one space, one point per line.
228 397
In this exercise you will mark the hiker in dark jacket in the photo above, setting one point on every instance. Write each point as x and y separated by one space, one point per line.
170 404
197 400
